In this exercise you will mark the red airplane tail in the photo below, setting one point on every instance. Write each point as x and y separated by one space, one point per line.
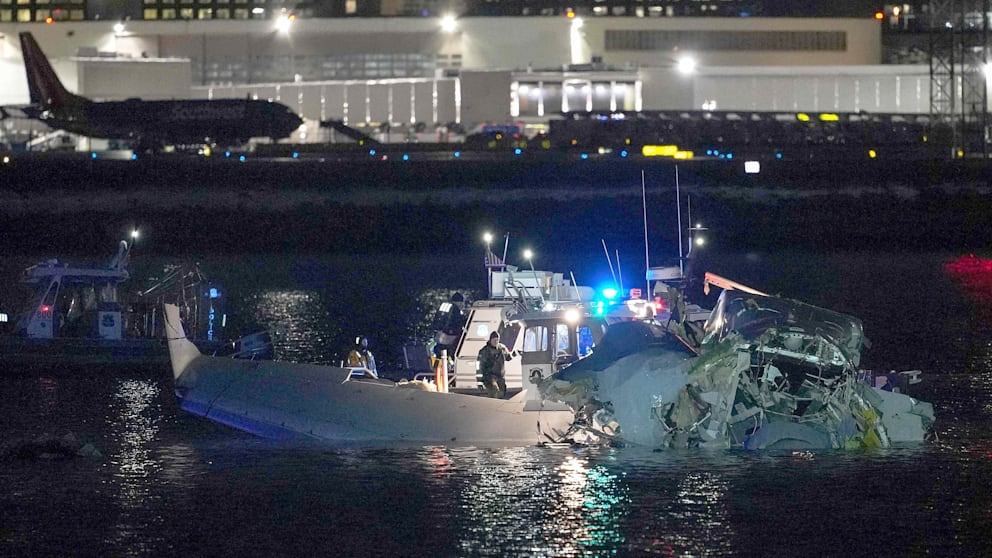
44 86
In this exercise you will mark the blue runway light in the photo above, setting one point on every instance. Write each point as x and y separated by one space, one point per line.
584 156
778 155
623 153
406 156
457 154
730 155
518 151
242 158
93 155
296 154
709 151
371 152
214 293
227 153
134 156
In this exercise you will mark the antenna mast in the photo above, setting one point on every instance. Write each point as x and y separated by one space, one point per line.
678 204
647 258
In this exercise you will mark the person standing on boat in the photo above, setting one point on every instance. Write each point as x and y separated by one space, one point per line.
361 356
492 359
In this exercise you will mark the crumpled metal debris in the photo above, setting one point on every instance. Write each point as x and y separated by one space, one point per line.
770 373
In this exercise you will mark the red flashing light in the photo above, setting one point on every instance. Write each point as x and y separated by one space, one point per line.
879 16
659 304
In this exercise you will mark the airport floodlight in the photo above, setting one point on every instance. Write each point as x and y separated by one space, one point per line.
283 23
686 65
700 241
118 28
449 23
528 254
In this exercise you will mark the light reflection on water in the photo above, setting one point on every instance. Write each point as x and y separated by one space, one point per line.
134 422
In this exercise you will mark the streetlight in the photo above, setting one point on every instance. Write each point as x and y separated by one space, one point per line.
686 65
487 237
284 22
134 235
449 23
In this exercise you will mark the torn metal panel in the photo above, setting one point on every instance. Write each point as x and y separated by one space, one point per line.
770 373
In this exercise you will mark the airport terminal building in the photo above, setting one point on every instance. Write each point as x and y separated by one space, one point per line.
407 63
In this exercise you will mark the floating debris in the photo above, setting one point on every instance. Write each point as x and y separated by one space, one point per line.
770 373
48 446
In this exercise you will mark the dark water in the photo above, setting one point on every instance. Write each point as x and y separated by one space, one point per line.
171 484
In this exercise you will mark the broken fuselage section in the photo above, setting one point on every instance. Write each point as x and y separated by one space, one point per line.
770 373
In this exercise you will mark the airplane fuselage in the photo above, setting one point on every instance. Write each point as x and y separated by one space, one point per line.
176 122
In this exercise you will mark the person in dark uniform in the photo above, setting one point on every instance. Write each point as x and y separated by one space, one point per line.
492 359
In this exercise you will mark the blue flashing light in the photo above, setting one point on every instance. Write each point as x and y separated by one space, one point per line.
730 155
518 151
624 153
242 158
598 308
92 154
457 154
584 156
214 293
609 293
227 153
406 156
296 154
371 152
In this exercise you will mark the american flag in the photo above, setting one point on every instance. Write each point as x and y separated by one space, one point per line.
492 260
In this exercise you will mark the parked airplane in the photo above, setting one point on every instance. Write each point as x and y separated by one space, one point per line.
151 124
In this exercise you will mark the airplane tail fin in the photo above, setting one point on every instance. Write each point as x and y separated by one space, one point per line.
182 351
44 86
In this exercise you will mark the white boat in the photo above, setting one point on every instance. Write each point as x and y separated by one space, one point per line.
546 319
282 400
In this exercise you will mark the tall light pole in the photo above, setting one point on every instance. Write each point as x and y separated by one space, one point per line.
529 256
487 237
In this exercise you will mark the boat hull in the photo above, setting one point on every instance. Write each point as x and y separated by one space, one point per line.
285 400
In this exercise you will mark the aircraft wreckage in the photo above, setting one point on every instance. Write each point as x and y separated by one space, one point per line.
768 373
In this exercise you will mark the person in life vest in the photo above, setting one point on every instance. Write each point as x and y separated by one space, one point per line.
492 360
361 357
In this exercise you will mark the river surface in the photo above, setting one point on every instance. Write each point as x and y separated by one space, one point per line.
172 484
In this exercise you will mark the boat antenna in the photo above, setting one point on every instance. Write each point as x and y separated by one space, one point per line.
619 272
609 261
644 207
678 205
578 297
690 229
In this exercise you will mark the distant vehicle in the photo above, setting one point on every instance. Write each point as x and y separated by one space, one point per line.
151 124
